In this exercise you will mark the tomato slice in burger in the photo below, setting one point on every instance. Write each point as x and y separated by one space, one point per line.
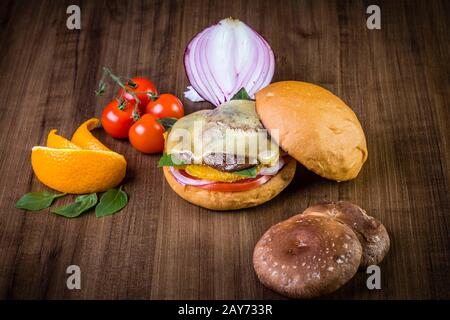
241 185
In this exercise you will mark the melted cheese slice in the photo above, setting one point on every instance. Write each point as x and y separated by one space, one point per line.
232 128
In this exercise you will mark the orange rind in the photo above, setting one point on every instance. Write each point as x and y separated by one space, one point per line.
84 138
56 141
82 165
78 171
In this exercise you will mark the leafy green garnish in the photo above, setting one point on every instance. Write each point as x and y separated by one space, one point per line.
81 204
34 201
167 160
250 172
241 95
167 123
111 202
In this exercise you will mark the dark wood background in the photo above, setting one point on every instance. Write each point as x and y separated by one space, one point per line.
161 247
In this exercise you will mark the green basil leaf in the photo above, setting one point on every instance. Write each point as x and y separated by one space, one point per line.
34 201
111 202
167 160
241 95
81 204
250 172
167 123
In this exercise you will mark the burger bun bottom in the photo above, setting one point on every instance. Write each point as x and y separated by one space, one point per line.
217 200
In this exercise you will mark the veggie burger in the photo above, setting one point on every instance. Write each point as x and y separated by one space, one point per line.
230 157
224 159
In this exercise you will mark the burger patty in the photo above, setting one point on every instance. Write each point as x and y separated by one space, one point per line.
221 161
228 162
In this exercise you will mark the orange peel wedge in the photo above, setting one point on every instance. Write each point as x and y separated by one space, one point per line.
84 138
56 141
80 165
78 171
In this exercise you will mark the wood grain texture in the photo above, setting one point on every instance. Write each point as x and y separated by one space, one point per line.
161 247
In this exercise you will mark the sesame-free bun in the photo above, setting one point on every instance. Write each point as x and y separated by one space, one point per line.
315 127
307 256
371 233
215 200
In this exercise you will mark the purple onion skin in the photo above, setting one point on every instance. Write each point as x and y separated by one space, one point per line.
186 52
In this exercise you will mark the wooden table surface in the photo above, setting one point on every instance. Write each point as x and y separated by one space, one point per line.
160 247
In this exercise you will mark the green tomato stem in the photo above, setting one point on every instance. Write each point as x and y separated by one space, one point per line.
117 80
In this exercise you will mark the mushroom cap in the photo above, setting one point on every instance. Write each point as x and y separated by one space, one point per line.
371 233
307 256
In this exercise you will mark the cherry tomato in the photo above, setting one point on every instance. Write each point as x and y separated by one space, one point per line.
117 121
146 134
142 85
166 106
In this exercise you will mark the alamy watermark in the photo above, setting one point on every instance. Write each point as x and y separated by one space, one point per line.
374 280
374 20
73 22
74 279
191 146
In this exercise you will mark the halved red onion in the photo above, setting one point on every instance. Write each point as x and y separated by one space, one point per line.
224 58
